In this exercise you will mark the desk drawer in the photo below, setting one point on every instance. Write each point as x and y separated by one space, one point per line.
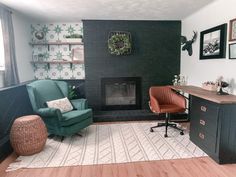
204 114
207 125
204 108
203 139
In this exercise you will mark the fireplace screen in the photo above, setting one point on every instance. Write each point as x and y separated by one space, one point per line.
120 93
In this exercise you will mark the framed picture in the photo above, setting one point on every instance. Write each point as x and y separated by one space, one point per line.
78 54
39 36
232 30
213 42
232 51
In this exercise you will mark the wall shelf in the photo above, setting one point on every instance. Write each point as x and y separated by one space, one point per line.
57 62
56 43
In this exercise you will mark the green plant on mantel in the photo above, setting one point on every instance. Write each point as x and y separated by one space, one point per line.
74 36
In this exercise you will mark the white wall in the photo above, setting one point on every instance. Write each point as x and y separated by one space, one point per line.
22 33
199 71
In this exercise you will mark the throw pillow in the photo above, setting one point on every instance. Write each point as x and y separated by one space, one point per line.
63 104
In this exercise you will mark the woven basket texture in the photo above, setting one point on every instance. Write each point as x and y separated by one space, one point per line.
28 135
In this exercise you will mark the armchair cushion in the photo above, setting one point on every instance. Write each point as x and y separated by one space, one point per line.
63 104
72 117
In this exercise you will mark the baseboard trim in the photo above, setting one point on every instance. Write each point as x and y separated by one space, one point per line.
134 115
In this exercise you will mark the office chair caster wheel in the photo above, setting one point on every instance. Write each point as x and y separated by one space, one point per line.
151 130
181 133
165 135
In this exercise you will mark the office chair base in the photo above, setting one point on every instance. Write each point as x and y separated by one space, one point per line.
62 138
51 136
79 134
167 124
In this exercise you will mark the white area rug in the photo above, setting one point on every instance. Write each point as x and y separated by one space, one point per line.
112 143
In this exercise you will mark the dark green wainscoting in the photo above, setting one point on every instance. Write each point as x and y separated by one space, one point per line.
14 102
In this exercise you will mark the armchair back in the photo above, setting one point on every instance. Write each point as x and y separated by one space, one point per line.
41 91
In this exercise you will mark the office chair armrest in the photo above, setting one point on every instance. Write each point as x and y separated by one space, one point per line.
154 105
80 104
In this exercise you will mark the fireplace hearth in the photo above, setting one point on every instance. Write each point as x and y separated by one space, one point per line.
121 93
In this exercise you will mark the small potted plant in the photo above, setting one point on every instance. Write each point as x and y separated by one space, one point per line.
72 92
74 38
40 57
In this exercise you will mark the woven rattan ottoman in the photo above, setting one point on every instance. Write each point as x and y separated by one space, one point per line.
28 135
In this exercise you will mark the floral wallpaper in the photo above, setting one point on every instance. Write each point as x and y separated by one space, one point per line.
56 32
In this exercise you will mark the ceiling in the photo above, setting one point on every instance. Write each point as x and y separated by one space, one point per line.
75 10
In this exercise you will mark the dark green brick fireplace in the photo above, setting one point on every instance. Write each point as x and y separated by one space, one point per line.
155 56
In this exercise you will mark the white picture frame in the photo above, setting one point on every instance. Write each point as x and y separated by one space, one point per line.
78 54
232 51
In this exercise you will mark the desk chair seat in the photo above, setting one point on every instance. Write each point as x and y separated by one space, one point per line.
164 100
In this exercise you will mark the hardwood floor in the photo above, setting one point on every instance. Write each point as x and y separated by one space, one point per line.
194 167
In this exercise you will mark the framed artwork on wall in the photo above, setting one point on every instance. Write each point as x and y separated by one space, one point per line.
213 42
39 36
232 51
232 30
78 54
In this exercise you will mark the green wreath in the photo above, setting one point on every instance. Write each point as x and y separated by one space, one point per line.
119 44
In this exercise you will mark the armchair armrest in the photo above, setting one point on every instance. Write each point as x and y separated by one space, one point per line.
49 112
80 104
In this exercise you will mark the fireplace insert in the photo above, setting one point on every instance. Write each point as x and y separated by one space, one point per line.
122 93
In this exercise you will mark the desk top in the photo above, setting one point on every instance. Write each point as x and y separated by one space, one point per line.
205 94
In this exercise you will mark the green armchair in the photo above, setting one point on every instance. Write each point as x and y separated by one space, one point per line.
57 123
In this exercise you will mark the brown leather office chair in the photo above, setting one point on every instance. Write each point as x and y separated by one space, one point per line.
164 100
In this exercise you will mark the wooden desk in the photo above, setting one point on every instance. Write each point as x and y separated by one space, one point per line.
212 122
205 94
